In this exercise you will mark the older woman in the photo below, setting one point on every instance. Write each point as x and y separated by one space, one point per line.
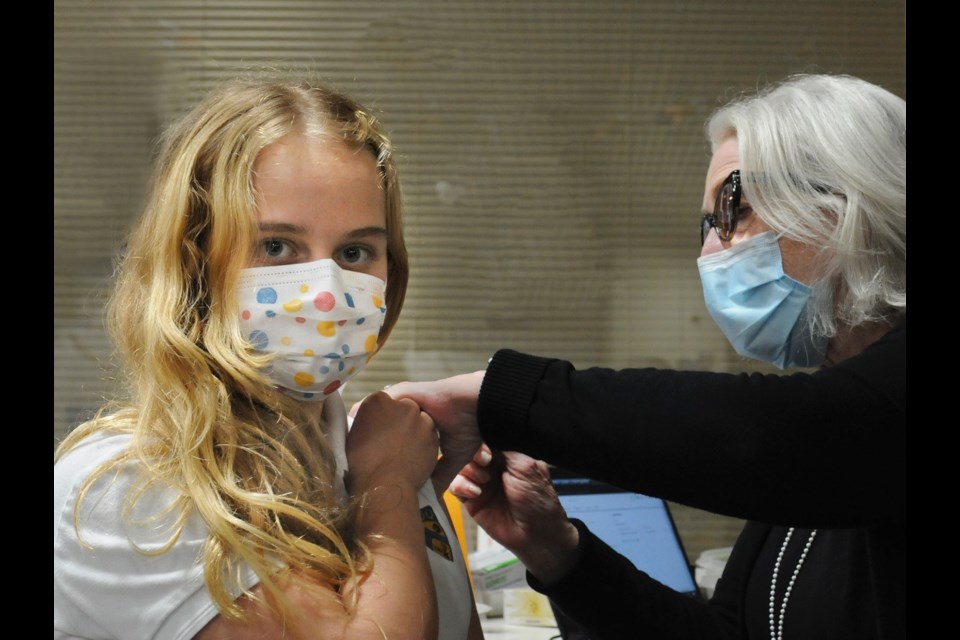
803 263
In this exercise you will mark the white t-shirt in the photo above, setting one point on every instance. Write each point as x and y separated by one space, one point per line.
104 588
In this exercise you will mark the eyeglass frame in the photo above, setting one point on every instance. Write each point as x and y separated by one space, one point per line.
731 190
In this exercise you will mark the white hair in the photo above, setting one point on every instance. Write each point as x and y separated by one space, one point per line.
824 161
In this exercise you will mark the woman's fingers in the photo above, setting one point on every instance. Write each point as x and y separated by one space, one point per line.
464 488
483 456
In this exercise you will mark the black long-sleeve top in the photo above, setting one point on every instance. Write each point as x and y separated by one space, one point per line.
822 451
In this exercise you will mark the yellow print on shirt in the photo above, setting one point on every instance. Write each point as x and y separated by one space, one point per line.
434 535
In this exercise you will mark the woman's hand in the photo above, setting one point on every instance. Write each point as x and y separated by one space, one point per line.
511 497
452 403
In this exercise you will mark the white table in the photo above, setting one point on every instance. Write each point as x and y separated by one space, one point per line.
497 629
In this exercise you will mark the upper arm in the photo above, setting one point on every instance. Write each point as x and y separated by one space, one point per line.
261 622
313 610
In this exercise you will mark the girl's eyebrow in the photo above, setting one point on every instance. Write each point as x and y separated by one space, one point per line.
366 232
286 227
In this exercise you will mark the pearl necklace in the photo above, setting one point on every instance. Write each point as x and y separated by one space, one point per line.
776 622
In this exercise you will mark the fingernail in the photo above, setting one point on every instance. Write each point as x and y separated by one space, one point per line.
484 457
472 489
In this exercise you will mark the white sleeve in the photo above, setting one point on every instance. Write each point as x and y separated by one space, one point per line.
106 583
454 595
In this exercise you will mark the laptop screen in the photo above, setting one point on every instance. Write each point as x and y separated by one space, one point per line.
636 526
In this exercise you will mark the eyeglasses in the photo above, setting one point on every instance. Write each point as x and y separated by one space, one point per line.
726 211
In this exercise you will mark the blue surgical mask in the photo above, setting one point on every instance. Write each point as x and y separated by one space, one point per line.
761 310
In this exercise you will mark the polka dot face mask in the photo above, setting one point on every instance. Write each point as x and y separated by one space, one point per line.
319 320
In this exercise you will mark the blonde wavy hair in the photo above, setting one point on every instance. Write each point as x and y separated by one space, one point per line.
204 420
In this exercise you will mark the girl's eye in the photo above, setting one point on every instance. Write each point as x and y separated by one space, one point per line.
275 249
354 254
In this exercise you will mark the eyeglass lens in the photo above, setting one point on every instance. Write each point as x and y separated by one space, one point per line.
726 210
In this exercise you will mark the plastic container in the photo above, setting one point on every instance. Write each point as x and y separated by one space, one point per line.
709 567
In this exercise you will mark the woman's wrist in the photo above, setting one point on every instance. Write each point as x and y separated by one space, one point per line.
550 559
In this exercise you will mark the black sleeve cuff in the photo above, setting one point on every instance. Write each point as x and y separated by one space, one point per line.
508 389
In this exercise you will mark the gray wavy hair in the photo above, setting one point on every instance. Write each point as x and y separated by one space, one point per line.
824 161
